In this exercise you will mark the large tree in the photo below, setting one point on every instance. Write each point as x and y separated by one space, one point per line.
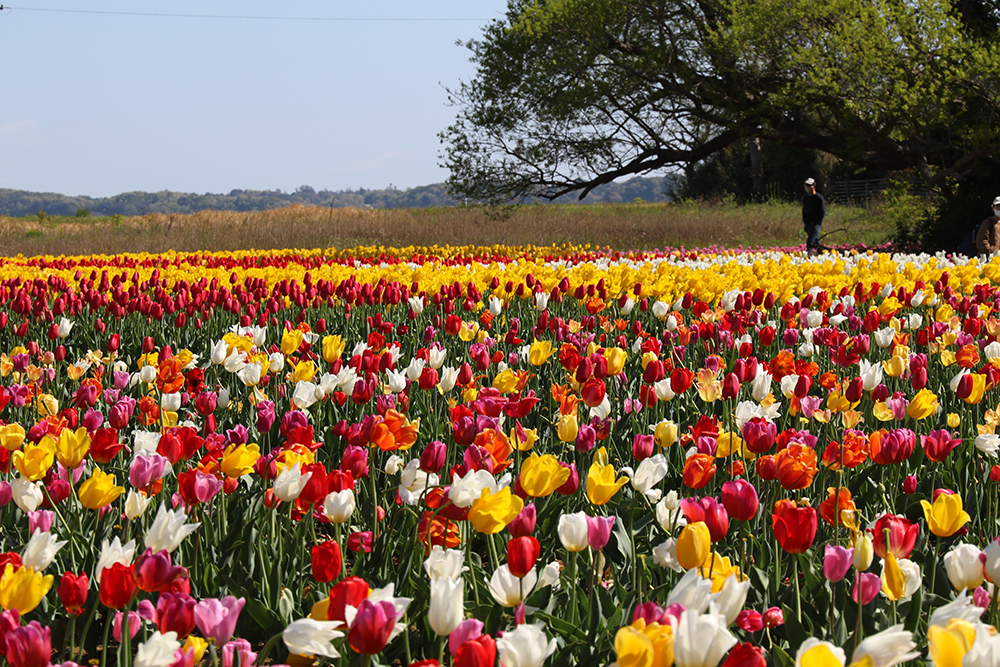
571 94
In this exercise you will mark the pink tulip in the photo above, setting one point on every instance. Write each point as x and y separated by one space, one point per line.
217 618
599 530
981 598
870 584
40 520
524 523
29 645
467 630
147 469
6 493
241 649
773 617
133 625
750 620
836 562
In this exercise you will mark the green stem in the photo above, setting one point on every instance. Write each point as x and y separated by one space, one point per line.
104 644
798 593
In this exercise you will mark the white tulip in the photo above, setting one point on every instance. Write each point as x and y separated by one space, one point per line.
525 646
170 402
416 304
449 376
700 639
158 651
27 495
308 637
988 444
496 306
112 553
447 604
65 326
338 506
169 529
136 505
415 368
444 563
964 567
573 531
507 589
541 300
41 550
892 646
651 472
290 482
665 555
693 591
395 380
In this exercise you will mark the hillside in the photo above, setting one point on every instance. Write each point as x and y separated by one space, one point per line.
21 203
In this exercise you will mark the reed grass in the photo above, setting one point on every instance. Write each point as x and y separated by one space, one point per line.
634 226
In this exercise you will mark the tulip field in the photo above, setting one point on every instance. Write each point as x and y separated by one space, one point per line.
515 456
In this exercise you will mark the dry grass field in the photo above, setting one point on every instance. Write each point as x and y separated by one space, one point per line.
618 226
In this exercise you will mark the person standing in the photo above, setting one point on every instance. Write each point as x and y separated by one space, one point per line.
987 238
813 212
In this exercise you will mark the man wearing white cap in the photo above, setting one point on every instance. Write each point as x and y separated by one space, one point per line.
987 239
813 212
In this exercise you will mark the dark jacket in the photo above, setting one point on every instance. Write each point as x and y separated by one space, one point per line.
813 209
987 239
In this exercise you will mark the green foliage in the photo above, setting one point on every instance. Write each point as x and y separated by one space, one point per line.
20 203
908 214
571 94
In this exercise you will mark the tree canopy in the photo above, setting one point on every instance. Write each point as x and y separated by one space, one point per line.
571 94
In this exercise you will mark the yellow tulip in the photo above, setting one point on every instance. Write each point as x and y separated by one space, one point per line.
539 352
524 444
694 545
882 412
290 341
567 428
23 588
946 516
633 648
893 578
731 443
99 491
954 420
642 645
646 358
199 645
819 655
238 460
924 404
72 447
47 405
12 436
666 433
467 333
34 461
305 371
895 366
948 645
978 389
506 381
601 483
542 475
333 348
615 356
491 513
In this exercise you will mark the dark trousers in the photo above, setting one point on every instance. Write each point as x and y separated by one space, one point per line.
812 234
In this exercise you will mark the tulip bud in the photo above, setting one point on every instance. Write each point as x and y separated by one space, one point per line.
910 485
524 523
864 552
694 546
432 459
522 553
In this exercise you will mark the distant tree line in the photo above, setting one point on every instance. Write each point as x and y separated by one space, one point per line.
22 203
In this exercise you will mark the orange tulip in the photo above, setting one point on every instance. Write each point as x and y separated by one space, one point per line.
395 432
967 356
831 508
699 471
854 451
796 465
499 447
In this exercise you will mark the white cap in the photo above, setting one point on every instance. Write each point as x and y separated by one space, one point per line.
996 202
810 181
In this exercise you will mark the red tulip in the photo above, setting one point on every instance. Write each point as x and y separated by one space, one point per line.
739 497
175 613
372 627
73 592
902 536
522 554
117 586
794 526
478 652
711 512
326 561
29 646
155 571
745 655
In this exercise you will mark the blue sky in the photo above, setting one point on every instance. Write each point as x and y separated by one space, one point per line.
97 104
